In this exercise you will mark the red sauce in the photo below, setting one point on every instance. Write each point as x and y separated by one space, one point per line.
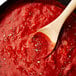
22 54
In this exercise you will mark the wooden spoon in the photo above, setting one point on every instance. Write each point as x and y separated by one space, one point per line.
52 30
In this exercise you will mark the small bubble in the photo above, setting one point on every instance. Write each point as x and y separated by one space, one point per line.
40 73
10 28
50 56
63 68
69 62
9 34
25 23
5 39
69 25
22 48
71 49
71 44
36 50
30 13
4 35
69 56
64 42
23 19
35 44
4 58
38 61
65 62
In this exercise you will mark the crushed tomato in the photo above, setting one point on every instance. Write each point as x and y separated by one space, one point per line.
22 55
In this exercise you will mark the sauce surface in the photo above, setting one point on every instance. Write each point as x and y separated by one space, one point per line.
22 54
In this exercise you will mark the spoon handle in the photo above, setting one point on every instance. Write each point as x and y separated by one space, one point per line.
68 10
52 29
59 21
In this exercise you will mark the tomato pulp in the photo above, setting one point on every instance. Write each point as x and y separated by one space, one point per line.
23 55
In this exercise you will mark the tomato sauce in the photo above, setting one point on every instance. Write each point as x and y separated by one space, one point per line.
25 54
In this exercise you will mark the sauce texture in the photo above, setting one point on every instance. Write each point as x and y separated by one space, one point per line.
22 54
